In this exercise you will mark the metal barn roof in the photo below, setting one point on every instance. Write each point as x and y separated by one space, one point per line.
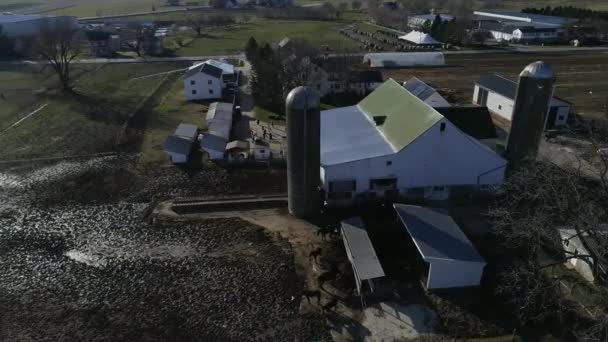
360 250
220 111
179 145
436 235
499 85
227 68
525 17
187 131
213 142
204 68
351 133
407 117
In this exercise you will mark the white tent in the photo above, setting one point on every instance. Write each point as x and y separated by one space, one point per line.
404 59
420 38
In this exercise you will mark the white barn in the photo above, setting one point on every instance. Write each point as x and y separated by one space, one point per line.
452 260
425 92
202 82
498 94
392 144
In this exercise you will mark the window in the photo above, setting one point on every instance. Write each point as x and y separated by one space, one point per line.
499 106
193 91
192 82
339 195
210 91
442 127
210 82
389 163
383 184
318 87
262 151
561 118
438 188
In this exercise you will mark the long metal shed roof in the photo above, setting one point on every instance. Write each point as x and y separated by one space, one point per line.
436 235
220 111
360 250
187 131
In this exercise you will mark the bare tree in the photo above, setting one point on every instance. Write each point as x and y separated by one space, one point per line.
298 66
198 22
57 45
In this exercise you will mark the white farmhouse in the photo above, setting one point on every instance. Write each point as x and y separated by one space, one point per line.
498 94
202 82
425 92
393 144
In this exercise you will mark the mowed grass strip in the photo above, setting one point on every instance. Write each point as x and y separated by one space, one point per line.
86 121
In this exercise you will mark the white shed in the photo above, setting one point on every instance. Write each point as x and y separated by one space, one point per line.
498 94
452 259
404 59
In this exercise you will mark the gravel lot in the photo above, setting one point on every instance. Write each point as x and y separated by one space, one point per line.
74 269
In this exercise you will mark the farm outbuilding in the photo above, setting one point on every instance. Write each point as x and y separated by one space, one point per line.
452 259
498 94
392 144
361 254
425 92
179 145
404 59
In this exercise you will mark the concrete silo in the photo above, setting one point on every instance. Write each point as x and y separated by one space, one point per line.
534 92
303 151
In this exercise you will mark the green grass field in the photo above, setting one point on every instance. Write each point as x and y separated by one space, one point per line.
81 123
233 40
172 110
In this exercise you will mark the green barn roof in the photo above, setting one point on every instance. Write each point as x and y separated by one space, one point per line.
406 117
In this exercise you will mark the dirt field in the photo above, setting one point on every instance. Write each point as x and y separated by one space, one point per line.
582 78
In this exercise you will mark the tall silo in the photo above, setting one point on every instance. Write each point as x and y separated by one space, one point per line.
303 151
534 93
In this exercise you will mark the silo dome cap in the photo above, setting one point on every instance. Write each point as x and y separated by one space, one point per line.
538 70
303 98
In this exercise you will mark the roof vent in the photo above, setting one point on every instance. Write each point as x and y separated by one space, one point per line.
379 120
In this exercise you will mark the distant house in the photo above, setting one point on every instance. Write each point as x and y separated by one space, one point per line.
418 21
498 94
150 42
203 81
525 34
332 76
179 145
102 43
425 92
362 82
393 145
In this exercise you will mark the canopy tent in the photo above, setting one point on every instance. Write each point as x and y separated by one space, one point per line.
404 59
420 38
453 260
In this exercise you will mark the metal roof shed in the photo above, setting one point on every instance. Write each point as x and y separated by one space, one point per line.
360 252
452 258
404 59
187 131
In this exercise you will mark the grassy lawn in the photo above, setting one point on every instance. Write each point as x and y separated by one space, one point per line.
84 122
173 110
233 40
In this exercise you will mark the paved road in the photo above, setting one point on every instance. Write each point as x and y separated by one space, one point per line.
185 9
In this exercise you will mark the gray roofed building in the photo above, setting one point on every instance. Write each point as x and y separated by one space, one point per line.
219 111
436 234
178 148
425 93
365 76
499 85
214 145
188 131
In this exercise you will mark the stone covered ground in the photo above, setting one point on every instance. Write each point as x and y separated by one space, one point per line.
79 261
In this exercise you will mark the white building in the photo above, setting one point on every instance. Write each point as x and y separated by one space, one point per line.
393 144
219 125
420 38
179 145
451 259
425 92
404 59
523 27
498 94
202 82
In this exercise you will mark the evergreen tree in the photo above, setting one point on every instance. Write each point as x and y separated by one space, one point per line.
251 49
7 48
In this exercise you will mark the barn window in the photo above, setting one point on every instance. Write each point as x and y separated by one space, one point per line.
389 163
210 82
262 151
379 120
561 118
192 82
210 91
499 106
442 127
438 188
193 91
383 184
